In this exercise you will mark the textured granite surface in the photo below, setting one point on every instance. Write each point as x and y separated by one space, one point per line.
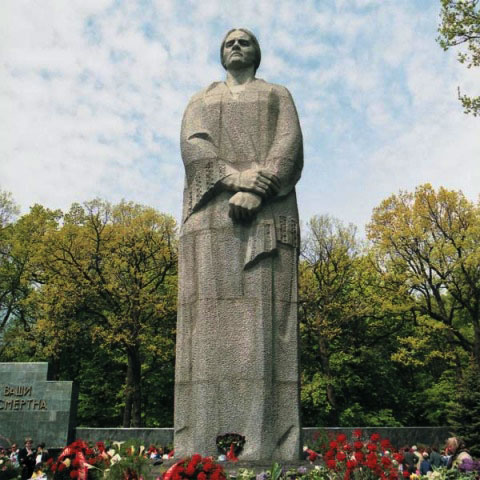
237 331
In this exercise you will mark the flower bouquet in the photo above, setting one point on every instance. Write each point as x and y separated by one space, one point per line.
8 470
78 461
230 444
195 468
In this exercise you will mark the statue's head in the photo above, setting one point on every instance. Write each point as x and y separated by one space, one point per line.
234 39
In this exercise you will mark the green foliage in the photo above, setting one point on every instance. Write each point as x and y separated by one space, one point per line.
465 414
460 25
426 246
128 461
349 328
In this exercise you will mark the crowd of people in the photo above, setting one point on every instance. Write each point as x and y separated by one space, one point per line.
29 458
416 461
422 461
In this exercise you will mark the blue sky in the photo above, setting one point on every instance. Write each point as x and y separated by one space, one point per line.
92 94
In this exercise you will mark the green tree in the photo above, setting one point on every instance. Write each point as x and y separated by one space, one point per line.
110 270
348 332
19 241
465 415
426 245
460 25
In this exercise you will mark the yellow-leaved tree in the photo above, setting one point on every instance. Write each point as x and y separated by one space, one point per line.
426 244
110 270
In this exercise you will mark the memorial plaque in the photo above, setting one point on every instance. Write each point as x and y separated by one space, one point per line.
32 406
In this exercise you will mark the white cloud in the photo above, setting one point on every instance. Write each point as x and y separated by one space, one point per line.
92 94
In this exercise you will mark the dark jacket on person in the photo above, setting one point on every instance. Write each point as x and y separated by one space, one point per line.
436 460
410 461
27 462
425 467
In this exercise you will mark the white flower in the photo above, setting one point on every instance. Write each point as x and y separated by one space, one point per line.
222 458
116 458
165 456
111 452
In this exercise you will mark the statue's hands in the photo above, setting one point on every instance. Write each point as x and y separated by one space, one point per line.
244 206
263 182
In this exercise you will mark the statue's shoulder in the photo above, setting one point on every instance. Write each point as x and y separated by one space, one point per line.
213 88
275 88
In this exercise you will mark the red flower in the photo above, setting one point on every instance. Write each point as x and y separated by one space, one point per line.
371 461
372 447
312 456
347 447
357 433
50 461
385 443
74 474
398 457
61 466
359 457
54 467
196 458
176 476
351 464
331 464
190 470
341 456
208 466
333 445
375 437
100 446
341 437
76 462
406 474
201 476
386 461
329 455
358 445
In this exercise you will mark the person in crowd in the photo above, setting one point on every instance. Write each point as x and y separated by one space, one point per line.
26 459
409 460
425 465
42 454
418 457
457 451
436 460
14 454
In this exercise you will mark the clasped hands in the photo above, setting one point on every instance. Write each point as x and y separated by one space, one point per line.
251 187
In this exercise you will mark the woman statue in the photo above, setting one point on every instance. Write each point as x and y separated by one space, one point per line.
237 333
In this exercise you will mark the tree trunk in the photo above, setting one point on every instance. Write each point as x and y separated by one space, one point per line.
127 413
132 416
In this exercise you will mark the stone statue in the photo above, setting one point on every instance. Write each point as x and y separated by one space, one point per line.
237 333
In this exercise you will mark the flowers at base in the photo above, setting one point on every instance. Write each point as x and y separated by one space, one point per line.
311 454
231 445
361 460
195 467
76 462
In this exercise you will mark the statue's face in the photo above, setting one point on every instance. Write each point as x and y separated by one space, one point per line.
238 51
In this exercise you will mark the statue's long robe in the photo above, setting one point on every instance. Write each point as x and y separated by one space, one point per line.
237 333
